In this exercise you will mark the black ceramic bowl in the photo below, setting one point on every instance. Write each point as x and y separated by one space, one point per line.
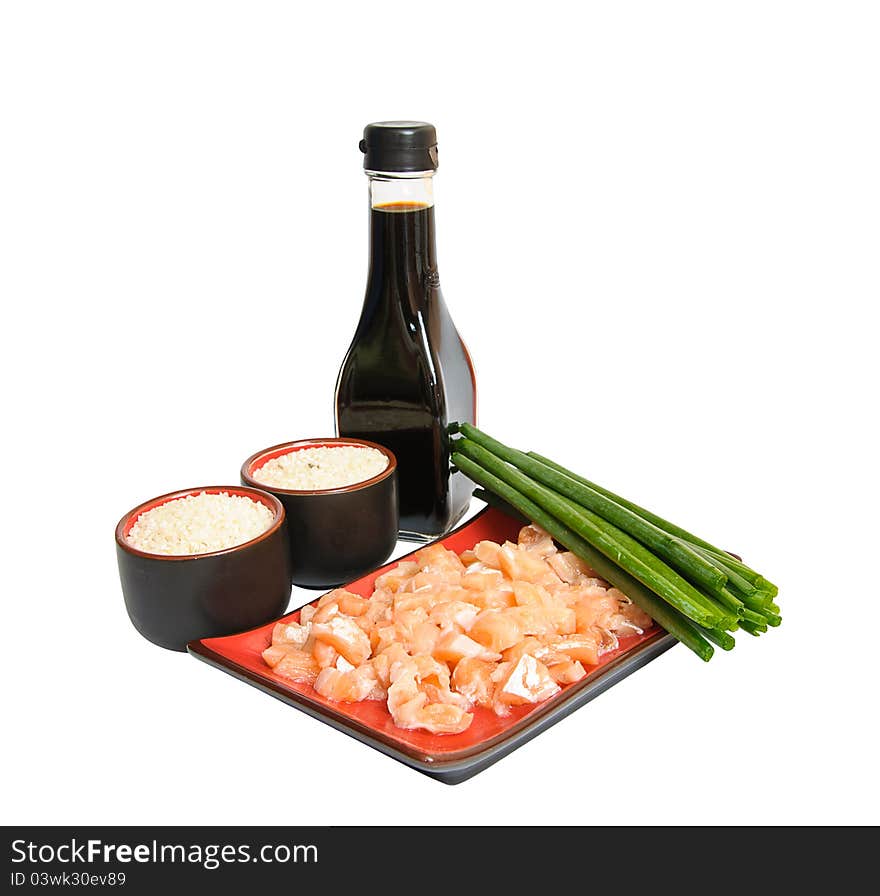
336 534
175 598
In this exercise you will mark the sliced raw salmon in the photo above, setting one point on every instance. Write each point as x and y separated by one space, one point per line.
443 718
325 654
534 538
334 596
405 601
570 568
529 681
383 637
353 604
594 607
495 598
544 620
531 645
290 633
396 578
633 617
274 653
345 635
297 666
473 679
567 673
437 558
489 554
326 612
496 629
453 646
582 647
424 580
482 579
350 686
528 594
457 613
423 638
525 566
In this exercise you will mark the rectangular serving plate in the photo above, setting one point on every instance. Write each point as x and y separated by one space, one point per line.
450 758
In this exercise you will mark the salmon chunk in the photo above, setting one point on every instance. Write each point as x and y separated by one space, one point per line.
496 630
529 681
344 634
453 646
297 665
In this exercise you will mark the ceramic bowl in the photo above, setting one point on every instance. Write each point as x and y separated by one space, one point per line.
172 598
336 534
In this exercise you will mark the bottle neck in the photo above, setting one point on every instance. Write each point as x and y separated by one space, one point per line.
399 190
403 252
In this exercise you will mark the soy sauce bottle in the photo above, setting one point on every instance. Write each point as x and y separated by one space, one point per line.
407 373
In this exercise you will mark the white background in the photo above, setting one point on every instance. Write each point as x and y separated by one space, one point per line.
658 233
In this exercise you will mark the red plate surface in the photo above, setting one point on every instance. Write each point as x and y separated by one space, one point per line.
241 655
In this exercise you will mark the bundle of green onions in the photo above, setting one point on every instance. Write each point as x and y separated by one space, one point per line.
696 591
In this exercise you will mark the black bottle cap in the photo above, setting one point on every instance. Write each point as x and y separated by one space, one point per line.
399 146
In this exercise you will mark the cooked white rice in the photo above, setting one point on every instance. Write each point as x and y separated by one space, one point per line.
199 523
320 468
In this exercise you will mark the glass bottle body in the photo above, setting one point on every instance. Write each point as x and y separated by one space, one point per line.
408 374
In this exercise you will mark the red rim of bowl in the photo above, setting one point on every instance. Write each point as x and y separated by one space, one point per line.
268 454
265 498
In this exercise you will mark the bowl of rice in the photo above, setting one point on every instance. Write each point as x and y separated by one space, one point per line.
203 562
340 497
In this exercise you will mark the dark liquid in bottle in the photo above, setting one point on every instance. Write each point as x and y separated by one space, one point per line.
407 373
